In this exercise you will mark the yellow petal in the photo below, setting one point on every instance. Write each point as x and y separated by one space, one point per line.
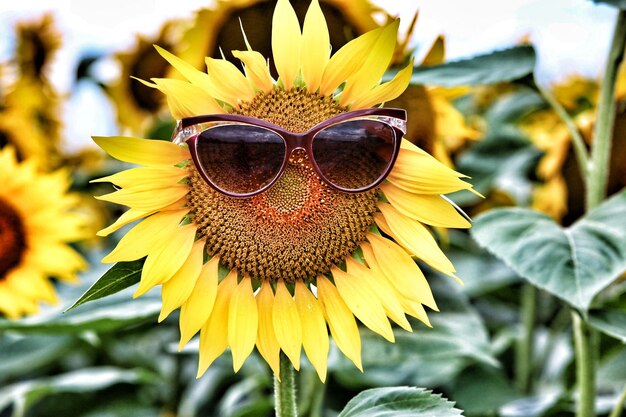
266 341
378 283
415 237
256 69
426 208
146 176
315 335
415 309
316 46
401 270
196 77
214 333
166 259
286 40
347 60
132 214
178 288
363 302
147 199
185 99
149 152
287 325
418 172
340 320
243 320
233 86
145 236
197 309
29 283
385 92
373 67
437 52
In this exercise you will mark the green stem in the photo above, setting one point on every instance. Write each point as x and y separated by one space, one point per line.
585 368
619 407
580 149
524 352
285 390
601 147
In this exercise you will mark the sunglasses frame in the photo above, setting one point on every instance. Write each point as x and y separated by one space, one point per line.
186 132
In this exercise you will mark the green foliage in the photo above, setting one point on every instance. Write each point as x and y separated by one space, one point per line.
506 65
24 394
609 322
428 356
573 263
399 402
121 275
103 315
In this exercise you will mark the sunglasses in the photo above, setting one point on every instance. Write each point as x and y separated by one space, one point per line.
242 156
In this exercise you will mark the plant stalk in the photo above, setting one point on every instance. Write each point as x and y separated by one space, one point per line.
525 344
585 368
619 407
598 171
285 390
580 149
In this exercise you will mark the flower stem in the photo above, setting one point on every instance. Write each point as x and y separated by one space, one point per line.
524 352
585 368
601 147
285 390
619 406
580 149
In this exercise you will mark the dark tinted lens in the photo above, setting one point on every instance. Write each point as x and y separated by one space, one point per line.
239 158
354 154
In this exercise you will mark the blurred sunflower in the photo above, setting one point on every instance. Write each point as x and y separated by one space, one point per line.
36 225
218 29
289 261
561 194
29 116
435 125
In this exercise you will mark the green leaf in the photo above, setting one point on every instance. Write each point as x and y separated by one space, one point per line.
104 315
620 4
121 276
496 67
573 263
611 323
22 355
399 402
24 394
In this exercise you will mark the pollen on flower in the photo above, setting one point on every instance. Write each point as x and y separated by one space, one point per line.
300 227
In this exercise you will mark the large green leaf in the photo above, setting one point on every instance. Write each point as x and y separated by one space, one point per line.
399 402
496 67
612 323
111 313
573 263
121 276
23 394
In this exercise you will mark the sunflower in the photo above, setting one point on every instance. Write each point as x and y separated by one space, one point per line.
277 269
30 111
36 224
216 30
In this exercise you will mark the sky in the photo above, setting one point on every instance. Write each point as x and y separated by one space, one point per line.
570 36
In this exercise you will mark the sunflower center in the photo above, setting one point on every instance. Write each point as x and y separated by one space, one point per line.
299 227
12 244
